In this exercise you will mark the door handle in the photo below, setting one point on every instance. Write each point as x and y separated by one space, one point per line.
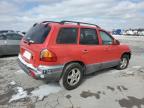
85 51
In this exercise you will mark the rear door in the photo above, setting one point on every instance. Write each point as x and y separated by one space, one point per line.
66 47
91 53
110 51
3 42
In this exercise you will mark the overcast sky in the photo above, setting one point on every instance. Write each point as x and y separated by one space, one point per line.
109 14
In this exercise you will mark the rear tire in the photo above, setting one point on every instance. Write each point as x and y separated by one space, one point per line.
72 76
123 63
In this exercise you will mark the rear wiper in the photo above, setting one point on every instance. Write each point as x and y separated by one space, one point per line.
28 41
31 41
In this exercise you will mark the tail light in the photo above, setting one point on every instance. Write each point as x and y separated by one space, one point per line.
47 56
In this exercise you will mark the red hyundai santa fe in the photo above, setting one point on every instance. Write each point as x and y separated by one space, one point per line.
66 51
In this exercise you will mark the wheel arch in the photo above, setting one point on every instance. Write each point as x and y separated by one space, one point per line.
80 62
127 53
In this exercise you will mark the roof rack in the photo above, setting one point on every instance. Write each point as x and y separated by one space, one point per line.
65 21
50 22
78 23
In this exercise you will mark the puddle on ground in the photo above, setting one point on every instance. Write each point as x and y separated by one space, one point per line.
124 88
86 94
121 88
68 96
131 102
110 88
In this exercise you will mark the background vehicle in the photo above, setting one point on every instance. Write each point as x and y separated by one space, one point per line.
9 43
64 51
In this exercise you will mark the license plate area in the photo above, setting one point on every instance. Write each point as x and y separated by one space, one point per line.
27 55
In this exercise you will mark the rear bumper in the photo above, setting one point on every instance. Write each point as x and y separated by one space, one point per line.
41 72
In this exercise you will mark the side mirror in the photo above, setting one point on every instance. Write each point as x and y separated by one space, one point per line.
116 42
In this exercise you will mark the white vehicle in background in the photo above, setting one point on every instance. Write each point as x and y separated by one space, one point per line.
129 32
134 32
141 33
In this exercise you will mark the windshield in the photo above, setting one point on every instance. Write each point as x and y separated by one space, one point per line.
37 34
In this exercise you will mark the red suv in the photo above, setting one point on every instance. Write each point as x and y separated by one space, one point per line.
66 51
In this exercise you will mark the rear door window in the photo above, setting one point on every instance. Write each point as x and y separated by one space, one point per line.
38 33
88 36
67 36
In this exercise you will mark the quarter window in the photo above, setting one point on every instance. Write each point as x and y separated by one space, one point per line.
88 36
67 36
106 38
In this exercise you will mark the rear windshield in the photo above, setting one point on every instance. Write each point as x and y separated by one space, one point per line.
38 33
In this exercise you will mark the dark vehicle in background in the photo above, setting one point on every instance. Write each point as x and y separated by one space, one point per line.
117 32
9 43
6 31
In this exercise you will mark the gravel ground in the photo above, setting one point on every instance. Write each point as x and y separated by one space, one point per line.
109 88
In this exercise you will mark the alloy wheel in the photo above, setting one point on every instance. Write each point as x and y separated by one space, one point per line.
73 77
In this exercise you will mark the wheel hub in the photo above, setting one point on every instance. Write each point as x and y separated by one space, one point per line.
123 63
73 76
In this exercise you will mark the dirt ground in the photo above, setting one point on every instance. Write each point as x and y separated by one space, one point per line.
108 88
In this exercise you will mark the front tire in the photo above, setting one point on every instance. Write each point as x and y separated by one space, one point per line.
124 62
72 76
